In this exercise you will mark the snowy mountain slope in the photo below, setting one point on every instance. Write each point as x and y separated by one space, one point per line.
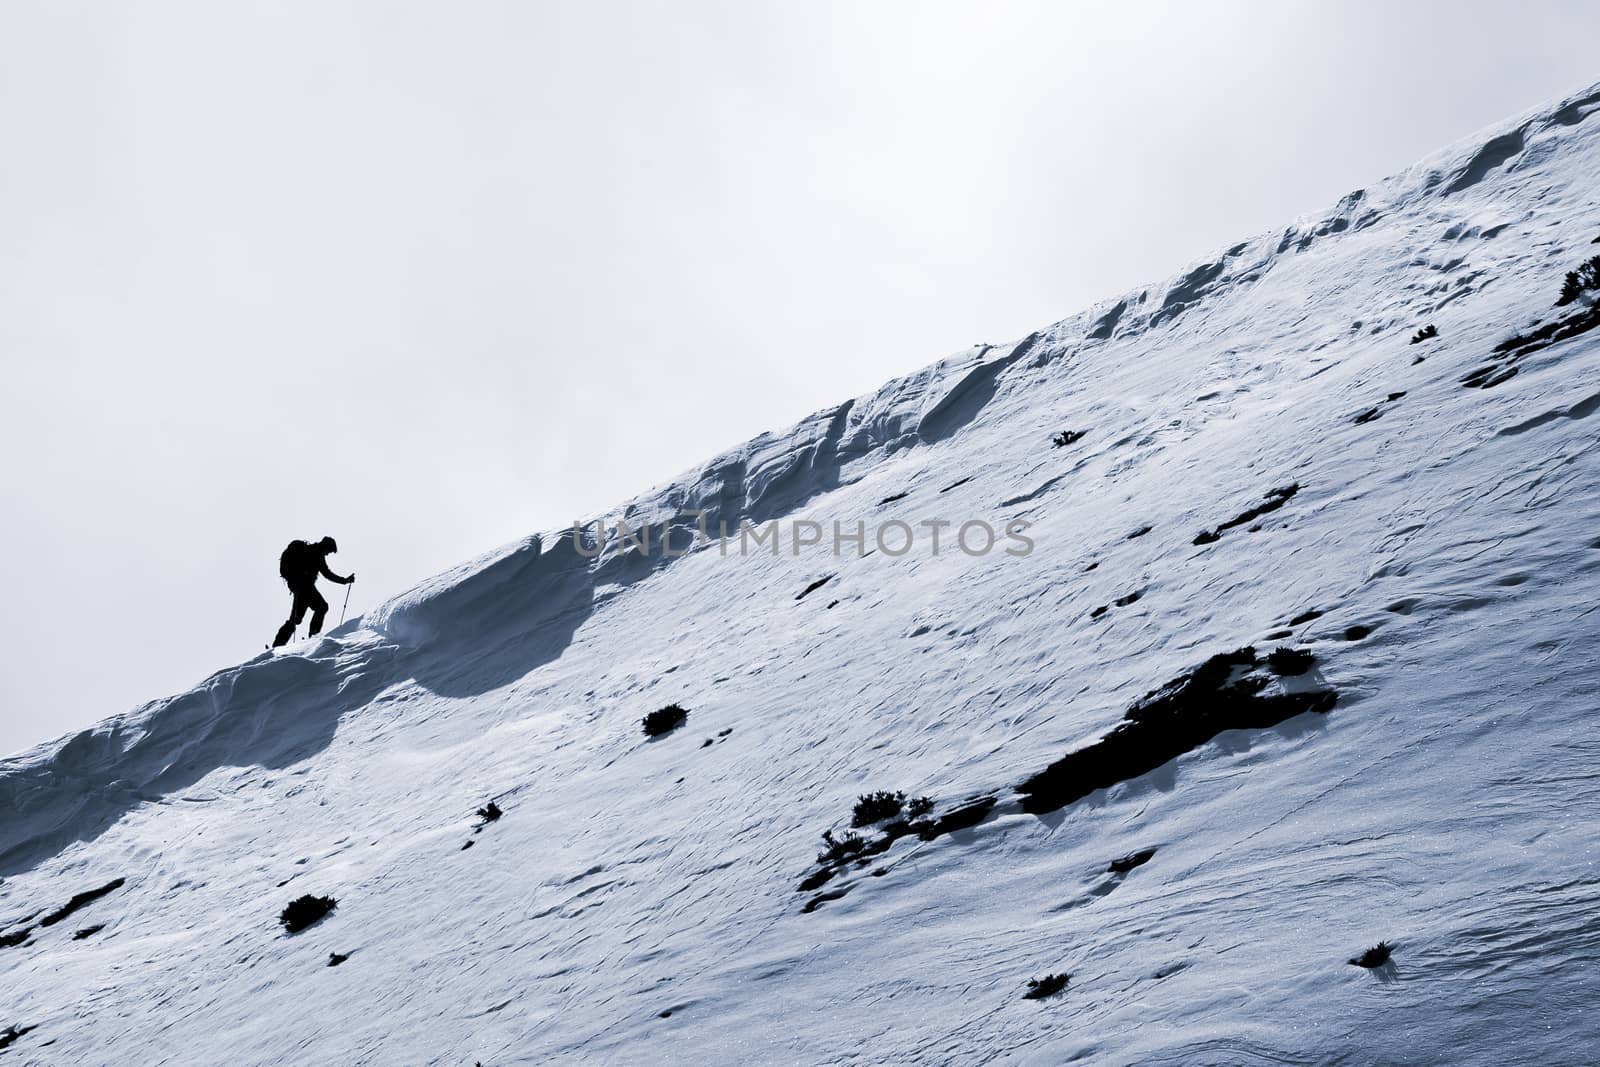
639 901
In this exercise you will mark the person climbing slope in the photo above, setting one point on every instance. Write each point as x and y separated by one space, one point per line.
299 566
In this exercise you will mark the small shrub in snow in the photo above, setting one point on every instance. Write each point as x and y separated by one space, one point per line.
840 848
665 720
305 911
1376 956
490 812
919 807
876 807
1286 662
1048 986
1583 280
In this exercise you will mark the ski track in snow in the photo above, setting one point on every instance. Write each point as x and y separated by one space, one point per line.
638 901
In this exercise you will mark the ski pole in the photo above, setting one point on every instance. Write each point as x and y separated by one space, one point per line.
342 610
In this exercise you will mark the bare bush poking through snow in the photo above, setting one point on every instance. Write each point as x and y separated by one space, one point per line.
1583 280
1048 986
305 911
876 807
1376 956
1288 662
664 720
1581 287
840 848
490 812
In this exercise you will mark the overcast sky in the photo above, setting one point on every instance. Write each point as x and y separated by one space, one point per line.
428 277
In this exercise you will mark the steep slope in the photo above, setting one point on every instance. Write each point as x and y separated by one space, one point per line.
1267 460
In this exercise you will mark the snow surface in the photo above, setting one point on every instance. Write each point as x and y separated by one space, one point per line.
638 900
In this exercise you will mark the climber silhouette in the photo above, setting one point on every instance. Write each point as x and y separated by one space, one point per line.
299 565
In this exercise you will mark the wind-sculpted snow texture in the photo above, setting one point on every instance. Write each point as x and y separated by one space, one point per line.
1176 786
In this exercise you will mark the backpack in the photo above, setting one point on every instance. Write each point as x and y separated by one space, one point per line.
295 563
